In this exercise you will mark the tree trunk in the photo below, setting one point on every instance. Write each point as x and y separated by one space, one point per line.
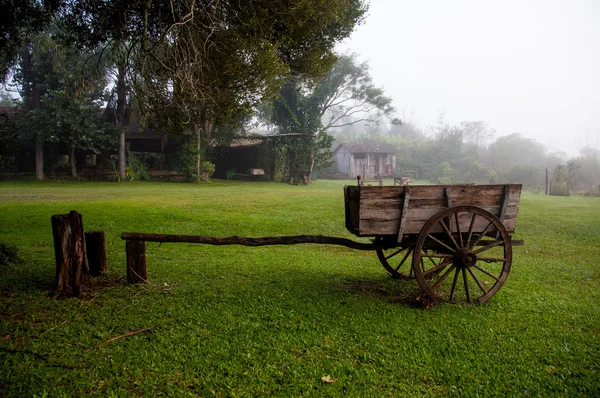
39 158
122 158
95 244
122 120
69 249
310 167
73 162
198 131
136 262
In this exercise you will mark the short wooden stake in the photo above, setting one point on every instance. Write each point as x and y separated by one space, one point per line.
69 249
136 261
95 244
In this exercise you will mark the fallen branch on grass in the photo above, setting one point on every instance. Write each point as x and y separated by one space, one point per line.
119 337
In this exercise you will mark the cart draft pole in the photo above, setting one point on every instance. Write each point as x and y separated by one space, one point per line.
137 271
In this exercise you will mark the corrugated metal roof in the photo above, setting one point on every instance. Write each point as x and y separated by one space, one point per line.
369 146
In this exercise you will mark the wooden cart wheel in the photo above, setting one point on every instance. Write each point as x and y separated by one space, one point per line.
396 260
462 254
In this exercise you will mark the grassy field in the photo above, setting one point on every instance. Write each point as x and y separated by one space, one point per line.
237 321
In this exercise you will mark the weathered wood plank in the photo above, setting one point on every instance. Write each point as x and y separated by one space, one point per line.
379 207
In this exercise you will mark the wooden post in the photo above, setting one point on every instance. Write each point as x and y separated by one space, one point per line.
95 244
69 249
136 261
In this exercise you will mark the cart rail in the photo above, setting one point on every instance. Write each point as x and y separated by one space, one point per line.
401 210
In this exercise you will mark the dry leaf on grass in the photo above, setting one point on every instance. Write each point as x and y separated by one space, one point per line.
327 379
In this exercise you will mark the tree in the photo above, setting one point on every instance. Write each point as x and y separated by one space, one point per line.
21 19
511 150
62 93
345 97
197 64
348 96
301 135
35 76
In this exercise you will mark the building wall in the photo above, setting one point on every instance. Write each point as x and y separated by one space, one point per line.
367 165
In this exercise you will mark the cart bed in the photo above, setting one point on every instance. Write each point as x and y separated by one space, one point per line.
378 210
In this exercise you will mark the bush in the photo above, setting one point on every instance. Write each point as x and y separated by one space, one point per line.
137 169
593 192
207 169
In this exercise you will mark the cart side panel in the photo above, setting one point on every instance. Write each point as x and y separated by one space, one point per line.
351 205
379 210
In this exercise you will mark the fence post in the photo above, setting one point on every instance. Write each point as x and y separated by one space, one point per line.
69 249
136 261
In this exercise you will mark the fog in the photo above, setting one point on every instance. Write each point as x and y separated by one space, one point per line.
528 67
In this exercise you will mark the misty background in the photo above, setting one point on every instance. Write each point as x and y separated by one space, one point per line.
521 67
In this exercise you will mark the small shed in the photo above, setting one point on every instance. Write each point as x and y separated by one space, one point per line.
369 159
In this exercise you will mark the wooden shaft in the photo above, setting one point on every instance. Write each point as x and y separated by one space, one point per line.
245 241
137 271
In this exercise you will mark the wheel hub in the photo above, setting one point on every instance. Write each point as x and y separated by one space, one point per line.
464 257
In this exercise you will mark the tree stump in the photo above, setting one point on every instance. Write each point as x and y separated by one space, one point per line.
95 244
136 262
69 249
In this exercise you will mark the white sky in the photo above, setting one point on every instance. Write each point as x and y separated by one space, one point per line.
524 66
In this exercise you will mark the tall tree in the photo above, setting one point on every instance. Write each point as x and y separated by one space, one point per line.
21 19
199 63
62 92
347 95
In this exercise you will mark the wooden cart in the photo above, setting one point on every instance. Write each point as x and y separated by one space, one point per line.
455 239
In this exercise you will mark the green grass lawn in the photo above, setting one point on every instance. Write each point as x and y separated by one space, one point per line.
232 321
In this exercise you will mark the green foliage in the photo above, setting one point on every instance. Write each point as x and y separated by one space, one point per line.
445 173
207 169
233 321
492 177
303 144
527 174
190 69
137 169
8 141
593 192
559 186
348 96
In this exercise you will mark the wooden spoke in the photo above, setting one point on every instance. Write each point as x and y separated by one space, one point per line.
455 256
467 292
443 277
453 290
476 280
396 261
481 235
439 242
458 230
487 272
394 253
437 268
488 246
436 255
445 228
470 233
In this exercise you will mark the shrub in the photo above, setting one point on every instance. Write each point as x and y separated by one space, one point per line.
137 169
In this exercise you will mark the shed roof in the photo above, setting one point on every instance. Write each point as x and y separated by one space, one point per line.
370 146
